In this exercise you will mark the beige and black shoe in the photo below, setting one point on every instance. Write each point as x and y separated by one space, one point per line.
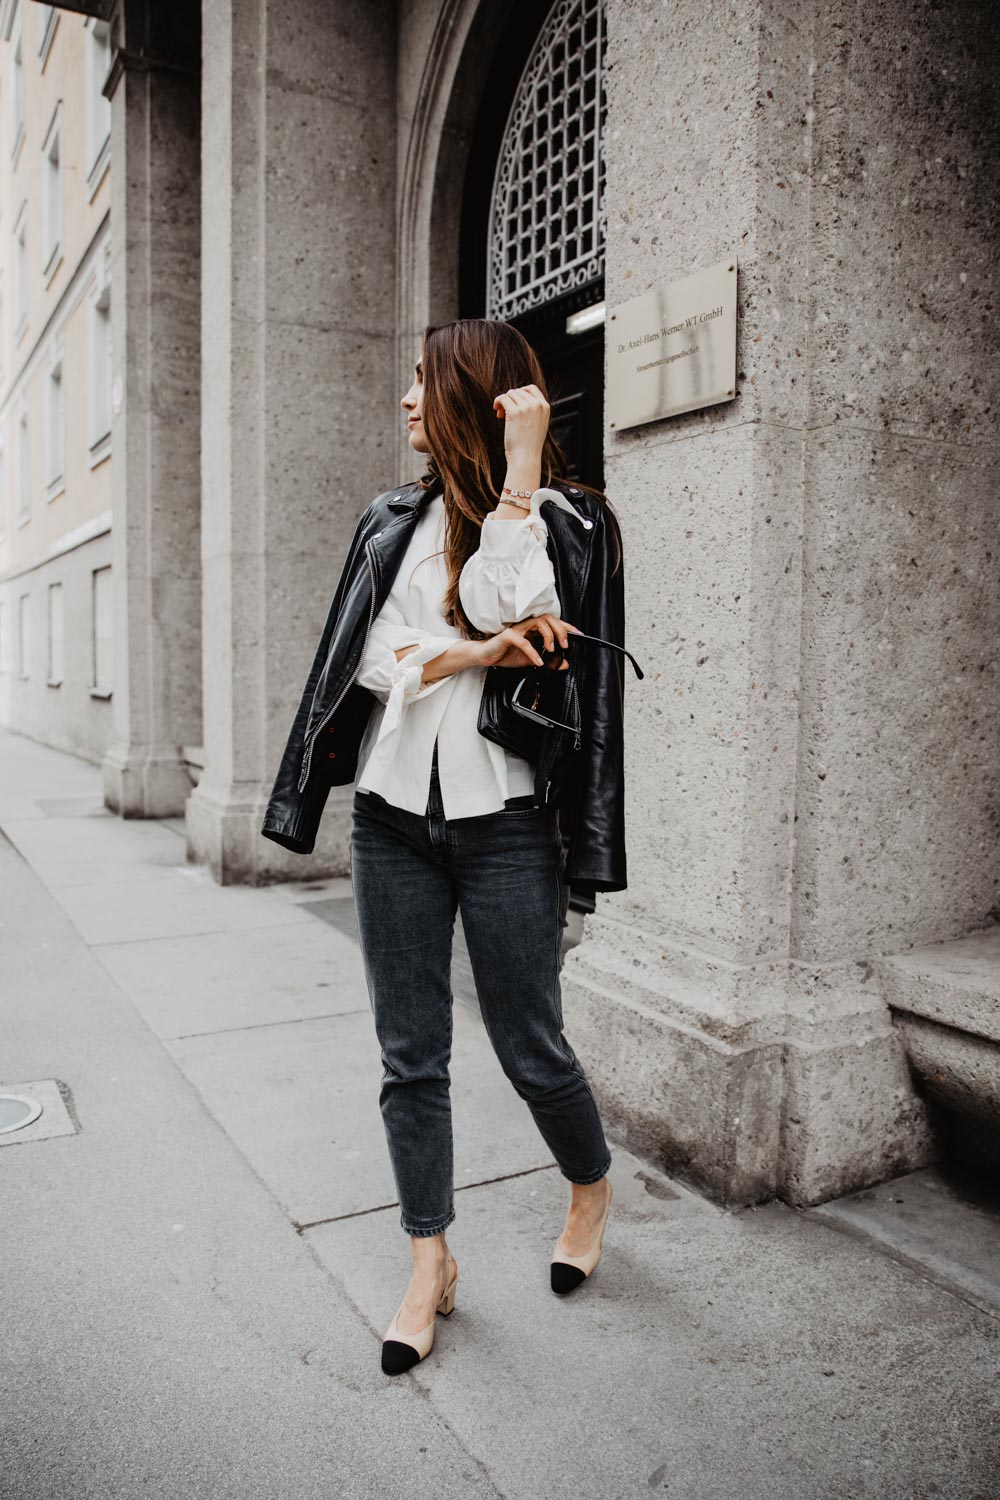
401 1351
567 1271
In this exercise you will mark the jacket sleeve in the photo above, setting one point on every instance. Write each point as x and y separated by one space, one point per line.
510 577
597 848
292 817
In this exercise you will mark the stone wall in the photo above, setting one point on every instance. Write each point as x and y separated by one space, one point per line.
299 400
811 582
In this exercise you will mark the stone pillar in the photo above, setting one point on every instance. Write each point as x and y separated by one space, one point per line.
155 320
300 403
811 586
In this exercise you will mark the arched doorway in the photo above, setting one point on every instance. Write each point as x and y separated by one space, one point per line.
532 232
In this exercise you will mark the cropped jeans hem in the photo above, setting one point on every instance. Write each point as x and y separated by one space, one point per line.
423 1230
594 1176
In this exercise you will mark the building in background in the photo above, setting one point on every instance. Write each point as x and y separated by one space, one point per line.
56 590
806 959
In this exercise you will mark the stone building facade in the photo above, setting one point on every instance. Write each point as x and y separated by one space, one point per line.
804 965
56 586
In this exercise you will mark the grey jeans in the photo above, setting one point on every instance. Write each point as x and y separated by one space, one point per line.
504 870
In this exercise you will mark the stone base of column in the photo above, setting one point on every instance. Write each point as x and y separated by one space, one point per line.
223 832
151 782
749 1082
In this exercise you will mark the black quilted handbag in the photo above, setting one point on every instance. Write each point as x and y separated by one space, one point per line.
520 705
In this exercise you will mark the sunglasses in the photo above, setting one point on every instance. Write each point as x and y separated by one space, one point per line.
533 685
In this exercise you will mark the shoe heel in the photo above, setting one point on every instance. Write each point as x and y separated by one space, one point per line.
448 1300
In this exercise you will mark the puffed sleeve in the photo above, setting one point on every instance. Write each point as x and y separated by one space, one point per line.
510 576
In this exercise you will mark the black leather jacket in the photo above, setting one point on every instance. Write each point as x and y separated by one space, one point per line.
586 784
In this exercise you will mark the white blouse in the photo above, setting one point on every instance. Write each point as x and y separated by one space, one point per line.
508 579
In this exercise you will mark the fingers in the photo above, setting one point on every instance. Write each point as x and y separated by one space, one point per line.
523 644
562 628
541 625
551 628
520 398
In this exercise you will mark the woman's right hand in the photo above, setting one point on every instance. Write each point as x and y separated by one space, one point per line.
510 648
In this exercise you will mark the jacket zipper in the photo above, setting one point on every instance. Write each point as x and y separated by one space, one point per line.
307 755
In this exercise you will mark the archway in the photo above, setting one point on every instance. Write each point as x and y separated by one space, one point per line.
532 239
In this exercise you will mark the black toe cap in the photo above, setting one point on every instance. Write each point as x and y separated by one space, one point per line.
563 1277
397 1357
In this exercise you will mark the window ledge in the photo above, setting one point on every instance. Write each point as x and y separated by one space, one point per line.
96 173
100 692
23 518
23 676
47 40
53 263
15 150
100 450
55 488
54 682
20 330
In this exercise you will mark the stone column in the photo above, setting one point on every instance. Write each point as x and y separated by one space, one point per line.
807 771
300 403
156 492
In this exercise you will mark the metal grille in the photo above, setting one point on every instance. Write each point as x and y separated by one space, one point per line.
547 210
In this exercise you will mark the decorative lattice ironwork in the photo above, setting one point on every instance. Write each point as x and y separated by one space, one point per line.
547 209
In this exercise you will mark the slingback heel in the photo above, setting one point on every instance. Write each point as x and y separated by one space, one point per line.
567 1271
401 1351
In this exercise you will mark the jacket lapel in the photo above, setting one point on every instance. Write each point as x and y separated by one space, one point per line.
570 545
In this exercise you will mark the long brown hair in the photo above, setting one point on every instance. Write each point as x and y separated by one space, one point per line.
466 365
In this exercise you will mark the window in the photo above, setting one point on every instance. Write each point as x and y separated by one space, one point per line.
55 428
23 634
55 634
23 494
47 18
21 271
98 46
102 632
16 87
100 371
53 200
4 640
547 221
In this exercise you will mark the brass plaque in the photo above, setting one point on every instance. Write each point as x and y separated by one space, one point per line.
673 349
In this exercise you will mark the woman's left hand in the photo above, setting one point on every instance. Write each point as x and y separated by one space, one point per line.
525 412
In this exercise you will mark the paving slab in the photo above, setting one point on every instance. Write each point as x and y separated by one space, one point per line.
183 901
223 981
941 1220
712 1355
211 1255
100 849
35 773
165 1329
301 1102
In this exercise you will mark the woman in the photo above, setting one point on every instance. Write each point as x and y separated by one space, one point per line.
444 818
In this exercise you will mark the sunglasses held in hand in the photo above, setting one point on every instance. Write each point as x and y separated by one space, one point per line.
532 697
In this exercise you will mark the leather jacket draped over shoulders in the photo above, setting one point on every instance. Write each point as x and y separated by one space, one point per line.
587 784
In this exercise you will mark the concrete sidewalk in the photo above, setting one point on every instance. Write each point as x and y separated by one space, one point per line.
197 1273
